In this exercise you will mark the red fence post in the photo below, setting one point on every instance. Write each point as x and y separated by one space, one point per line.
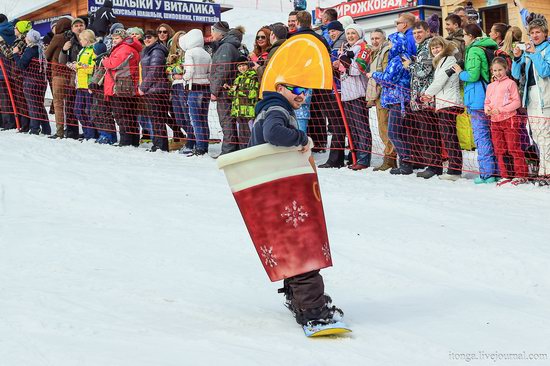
348 132
10 93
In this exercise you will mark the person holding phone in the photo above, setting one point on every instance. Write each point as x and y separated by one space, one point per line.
534 61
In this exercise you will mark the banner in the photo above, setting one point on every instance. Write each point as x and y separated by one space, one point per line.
362 8
43 26
183 11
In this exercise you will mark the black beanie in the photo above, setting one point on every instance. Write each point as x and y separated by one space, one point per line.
335 25
3 18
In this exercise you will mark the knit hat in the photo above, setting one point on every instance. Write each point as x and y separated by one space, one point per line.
115 26
433 23
120 33
335 25
221 27
137 30
23 26
100 48
3 18
78 20
346 20
356 28
242 60
33 36
279 30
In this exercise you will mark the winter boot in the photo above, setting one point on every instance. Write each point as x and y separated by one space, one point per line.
388 163
428 173
404 169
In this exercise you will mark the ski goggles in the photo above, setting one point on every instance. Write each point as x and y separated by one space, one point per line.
296 90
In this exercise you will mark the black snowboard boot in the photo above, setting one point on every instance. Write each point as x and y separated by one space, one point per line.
325 314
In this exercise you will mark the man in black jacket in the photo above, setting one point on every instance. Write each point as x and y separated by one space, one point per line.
223 72
101 20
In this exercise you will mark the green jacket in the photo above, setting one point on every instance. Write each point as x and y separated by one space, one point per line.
244 93
476 63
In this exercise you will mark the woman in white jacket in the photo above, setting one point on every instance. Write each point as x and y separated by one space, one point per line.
445 88
197 85
354 87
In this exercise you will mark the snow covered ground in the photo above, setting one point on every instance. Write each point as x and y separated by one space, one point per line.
120 257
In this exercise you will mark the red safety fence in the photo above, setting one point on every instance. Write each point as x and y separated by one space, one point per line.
176 114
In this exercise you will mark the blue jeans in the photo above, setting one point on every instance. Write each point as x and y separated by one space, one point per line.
146 125
198 102
82 107
399 133
181 110
482 137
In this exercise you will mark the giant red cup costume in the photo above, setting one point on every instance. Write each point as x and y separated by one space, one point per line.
278 194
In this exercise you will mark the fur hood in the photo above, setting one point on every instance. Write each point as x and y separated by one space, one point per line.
449 50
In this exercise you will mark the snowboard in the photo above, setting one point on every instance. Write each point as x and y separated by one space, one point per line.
323 330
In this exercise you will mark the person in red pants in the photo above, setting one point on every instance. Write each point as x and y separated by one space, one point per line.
501 103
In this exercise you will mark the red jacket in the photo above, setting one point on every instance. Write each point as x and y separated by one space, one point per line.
119 54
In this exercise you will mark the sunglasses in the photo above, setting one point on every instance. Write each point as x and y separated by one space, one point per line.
162 32
296 90
260 37
148 37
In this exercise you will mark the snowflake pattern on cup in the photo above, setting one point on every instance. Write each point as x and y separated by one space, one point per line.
270 259
294 214
326 251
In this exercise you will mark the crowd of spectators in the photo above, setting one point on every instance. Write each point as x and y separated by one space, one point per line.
129 86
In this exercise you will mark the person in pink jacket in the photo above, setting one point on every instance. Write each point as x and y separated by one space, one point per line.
501 103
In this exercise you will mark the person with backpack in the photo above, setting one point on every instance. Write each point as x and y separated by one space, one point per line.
102 117
121 85
501 104
535 63
476 76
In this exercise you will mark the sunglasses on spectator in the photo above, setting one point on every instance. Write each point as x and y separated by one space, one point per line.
296 90
148 37
162 32
260 37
